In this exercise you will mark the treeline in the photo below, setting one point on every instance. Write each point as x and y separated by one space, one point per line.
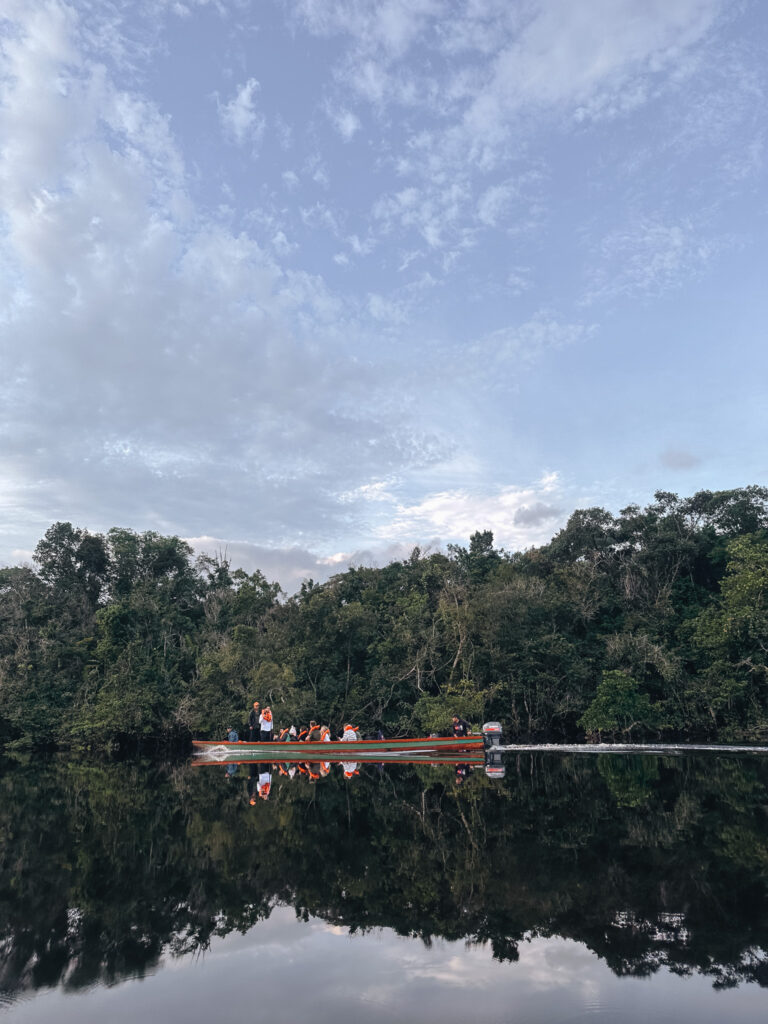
646 624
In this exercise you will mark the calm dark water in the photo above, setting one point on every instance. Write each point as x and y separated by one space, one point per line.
575 889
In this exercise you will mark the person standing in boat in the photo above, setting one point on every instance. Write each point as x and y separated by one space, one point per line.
350 734
253 723
266 726
460 727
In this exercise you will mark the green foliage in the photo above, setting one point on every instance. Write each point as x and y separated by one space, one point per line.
433 714
619 707
624 624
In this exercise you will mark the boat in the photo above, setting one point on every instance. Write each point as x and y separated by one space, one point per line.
349 750
475 758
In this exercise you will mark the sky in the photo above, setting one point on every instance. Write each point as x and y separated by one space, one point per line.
286 969
310 282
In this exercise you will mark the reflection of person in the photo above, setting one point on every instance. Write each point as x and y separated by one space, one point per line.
253 771
253 723
266 725
349 768
265 784
463 771
231 770
460 727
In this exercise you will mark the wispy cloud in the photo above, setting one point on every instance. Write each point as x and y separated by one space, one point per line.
648 258
240 119
679 458
518 516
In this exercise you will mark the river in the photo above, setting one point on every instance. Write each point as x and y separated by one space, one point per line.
614 887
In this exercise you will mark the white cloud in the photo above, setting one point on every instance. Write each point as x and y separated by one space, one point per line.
518 516
240 119
151 350
649 257
522 344
291 566
345 122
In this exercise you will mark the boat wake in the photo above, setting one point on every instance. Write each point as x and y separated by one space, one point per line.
629 748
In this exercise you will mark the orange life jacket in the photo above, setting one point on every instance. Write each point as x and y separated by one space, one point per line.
266 715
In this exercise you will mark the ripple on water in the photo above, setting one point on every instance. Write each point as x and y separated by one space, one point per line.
594 1012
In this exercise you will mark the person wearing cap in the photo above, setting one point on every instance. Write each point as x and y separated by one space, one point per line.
253 723
460 727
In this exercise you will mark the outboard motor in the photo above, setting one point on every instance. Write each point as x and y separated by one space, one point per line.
494 764
492 734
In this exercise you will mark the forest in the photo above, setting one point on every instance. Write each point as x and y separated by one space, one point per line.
649 624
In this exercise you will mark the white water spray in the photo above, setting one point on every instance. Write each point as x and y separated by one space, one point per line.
629 748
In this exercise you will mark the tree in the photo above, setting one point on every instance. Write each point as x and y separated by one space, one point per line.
619 706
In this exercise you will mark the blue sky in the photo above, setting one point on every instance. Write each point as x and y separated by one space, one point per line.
313 281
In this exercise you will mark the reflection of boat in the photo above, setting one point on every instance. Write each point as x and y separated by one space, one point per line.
474 757
375 750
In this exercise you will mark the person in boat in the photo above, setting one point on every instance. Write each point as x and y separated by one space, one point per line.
304 734
253 722
461 727
232 735
266 726
318 733
350 734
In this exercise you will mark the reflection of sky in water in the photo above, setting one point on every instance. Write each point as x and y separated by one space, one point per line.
286 971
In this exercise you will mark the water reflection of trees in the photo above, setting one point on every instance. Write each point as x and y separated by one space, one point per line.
649 862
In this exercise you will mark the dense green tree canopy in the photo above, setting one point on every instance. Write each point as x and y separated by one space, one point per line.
126 637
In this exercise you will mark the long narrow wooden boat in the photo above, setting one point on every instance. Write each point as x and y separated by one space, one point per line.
351 750
476 758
